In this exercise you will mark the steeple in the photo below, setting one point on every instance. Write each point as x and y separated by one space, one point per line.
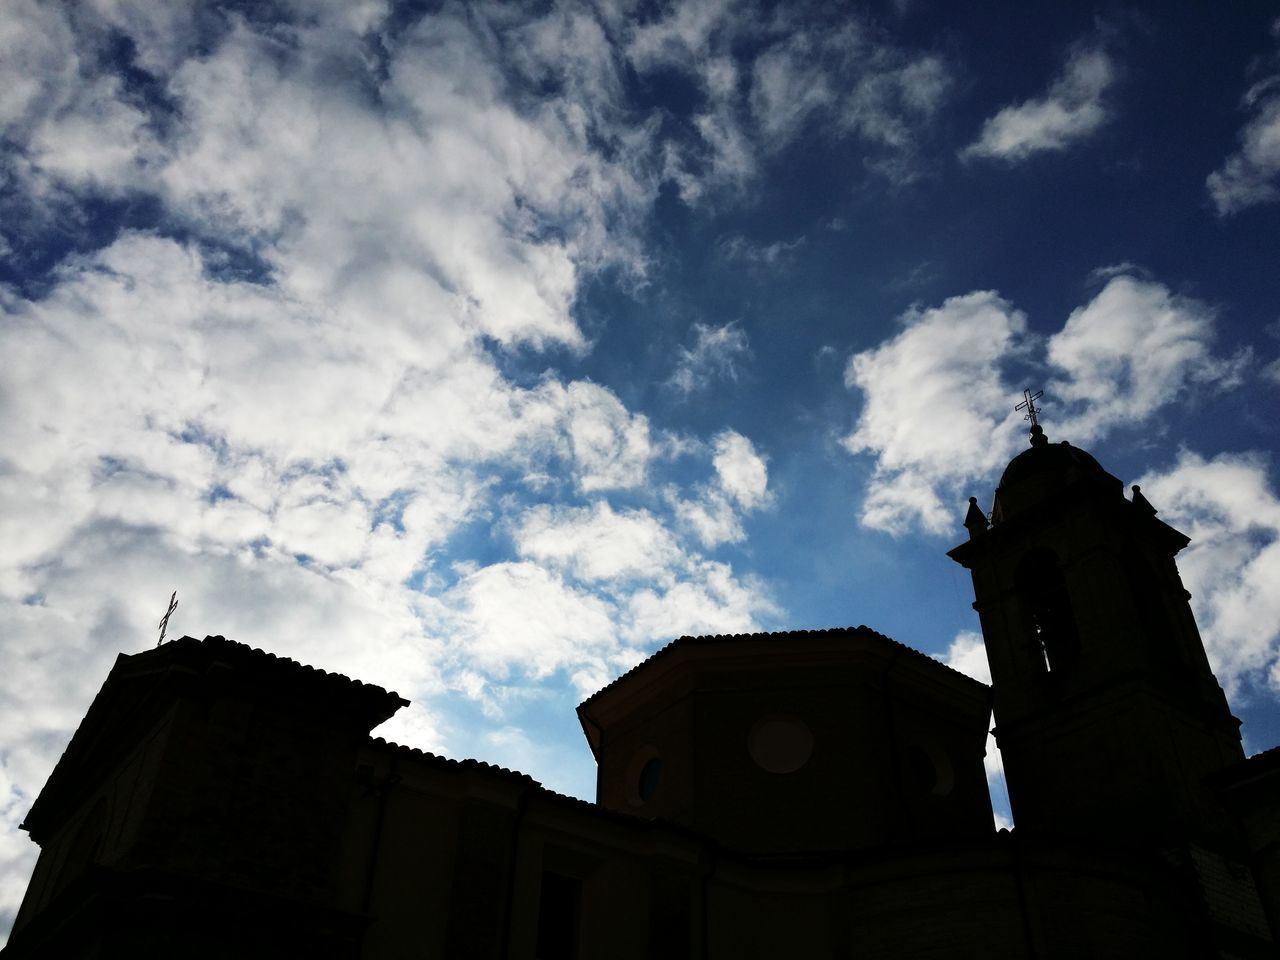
1107 714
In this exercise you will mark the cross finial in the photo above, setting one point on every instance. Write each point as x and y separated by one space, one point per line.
164 621
1029 404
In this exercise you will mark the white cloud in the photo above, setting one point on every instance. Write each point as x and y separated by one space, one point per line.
716 352
685 34
968 654
741 471
520 616
866 87
710 517
714 514
1250 175
610 445
896 503
934 400
937 410
788 85
840 76
857 84
598 543
1073 109
1132 350
713 600
1230 510
75 126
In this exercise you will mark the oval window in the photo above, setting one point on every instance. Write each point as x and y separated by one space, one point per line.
928 769
650 774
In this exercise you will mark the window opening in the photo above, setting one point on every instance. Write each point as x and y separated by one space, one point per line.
1053 624
558 912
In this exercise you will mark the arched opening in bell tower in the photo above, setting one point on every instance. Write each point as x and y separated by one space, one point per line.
1051 624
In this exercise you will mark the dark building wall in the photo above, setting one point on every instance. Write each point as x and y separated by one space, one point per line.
208 781
885 745
652 889
1251 791
102 826
418 856
250 795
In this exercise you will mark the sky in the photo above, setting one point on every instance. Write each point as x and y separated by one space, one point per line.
478 350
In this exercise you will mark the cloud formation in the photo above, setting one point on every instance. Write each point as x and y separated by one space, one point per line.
1133 349
1251 175
716 353
713 515
1073 108
936 411
933 399
290 394
1226 504
769 76
294 327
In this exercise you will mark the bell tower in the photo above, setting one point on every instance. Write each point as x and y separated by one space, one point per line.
1107 713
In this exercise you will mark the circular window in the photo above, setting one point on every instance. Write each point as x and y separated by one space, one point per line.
780 744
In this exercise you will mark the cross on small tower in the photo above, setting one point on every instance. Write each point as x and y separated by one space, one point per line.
1029 405
164 621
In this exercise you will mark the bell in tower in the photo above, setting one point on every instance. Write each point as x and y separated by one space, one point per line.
1107 713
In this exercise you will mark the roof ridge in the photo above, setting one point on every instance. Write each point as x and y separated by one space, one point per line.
245 650
685 639
469 763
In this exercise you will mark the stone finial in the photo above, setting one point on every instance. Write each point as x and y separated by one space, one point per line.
975 520
1141 502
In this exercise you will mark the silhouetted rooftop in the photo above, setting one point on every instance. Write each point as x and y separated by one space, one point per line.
178 660
1048 458
1045 469
861 632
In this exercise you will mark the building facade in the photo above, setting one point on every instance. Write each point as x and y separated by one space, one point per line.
804 794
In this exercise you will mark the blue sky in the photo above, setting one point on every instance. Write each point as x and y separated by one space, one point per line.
476 350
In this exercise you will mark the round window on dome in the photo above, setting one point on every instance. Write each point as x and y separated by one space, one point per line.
780 744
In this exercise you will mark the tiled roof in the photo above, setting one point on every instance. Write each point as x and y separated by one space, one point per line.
862 630
446 763
381 703
263 660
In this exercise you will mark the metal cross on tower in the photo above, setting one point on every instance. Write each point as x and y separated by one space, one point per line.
164 621
1029 405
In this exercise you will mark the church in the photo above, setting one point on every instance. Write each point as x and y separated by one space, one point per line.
809 794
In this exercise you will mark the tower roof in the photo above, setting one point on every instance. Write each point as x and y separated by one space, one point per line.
1044 470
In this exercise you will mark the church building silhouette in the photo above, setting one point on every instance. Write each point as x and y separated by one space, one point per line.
783 795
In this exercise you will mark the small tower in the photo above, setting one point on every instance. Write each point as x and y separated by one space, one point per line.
1107 714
